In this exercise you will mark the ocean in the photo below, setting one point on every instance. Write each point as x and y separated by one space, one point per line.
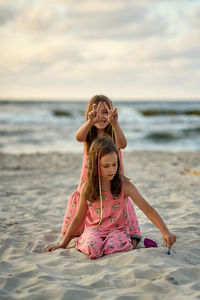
47 126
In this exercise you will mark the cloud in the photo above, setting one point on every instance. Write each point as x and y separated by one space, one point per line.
118 24
90 19
37 19
116 45
194 18
7 13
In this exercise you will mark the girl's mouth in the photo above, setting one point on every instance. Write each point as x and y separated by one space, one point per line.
101 122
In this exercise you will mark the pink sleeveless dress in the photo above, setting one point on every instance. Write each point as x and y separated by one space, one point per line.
112 235
73 202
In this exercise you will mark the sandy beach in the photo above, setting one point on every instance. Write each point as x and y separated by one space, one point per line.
34 190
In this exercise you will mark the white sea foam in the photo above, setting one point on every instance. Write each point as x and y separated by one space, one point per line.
27 127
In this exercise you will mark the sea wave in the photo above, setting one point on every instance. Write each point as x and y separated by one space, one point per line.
160 112
51 126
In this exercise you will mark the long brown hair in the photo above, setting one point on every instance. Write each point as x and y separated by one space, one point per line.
92 134
104 145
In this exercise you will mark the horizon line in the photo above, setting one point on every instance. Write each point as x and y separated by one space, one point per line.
178 99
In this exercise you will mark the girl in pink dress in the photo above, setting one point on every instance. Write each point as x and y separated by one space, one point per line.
103 206
101 118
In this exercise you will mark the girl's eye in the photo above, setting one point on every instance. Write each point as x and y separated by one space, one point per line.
114 165
105 166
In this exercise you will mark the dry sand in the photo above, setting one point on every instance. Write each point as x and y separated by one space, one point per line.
34 190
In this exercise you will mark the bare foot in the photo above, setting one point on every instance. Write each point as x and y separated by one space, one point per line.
134 242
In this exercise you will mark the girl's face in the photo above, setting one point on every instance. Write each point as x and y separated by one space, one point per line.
108 166
102 117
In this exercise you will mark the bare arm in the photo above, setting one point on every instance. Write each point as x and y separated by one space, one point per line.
119 136
74 225
120 139
130 190
82 132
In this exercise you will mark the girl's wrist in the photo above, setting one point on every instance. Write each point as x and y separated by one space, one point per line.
90 123
63 245
114 124
165 231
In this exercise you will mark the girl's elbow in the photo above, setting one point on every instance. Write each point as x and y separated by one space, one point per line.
79 138
123 145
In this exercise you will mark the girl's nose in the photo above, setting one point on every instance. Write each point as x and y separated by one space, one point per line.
113 169
100 115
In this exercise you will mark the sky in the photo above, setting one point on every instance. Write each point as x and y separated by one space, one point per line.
125 49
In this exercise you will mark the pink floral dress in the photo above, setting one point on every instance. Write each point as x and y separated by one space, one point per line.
112 235
73 202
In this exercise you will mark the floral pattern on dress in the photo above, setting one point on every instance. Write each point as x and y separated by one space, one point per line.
73 202
112 234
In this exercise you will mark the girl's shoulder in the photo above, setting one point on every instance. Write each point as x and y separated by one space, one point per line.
128 187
